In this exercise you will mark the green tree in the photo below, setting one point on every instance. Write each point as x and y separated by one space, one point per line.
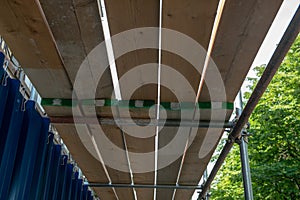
274 148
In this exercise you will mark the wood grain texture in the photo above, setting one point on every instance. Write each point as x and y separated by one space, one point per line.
25 30
242 30
76 26
194 19
51 49
125 15
77 29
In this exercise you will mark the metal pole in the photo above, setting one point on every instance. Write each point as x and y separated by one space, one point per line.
205 176
284 45
248 193
172 187
140 122
243 143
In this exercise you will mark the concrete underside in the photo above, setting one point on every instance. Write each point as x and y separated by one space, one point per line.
52 38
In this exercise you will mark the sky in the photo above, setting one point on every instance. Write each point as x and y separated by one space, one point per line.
271 40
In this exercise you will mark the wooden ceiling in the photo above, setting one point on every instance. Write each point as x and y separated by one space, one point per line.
52 38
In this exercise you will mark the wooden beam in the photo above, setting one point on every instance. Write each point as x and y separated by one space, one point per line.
242 29
195 19
25 30
77 29
125 15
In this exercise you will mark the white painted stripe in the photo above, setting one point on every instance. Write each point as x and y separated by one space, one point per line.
109 48
216 105
158 97
139 103
175 106
100 102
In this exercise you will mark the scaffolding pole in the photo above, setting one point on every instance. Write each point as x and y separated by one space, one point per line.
141 122
248 193
243 143
147 186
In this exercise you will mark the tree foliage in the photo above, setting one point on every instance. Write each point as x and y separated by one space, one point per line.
274 148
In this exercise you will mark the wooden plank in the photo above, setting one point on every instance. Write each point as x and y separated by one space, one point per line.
194 166
193 18
241 32
125 15
77 29
243 27
140 146
105 193
114 135
168 174
91 32
63 24
26 32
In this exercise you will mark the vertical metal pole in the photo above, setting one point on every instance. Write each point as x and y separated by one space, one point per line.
246 169
205 176
243 143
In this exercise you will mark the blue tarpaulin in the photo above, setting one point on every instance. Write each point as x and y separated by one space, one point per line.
31 164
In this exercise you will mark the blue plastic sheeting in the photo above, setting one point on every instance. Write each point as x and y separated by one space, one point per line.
62 176
2 57
4 88
89 196
31 165
38 176
84 192
46 168
54 174
27 153
48 172
74 186
68 190
9 135
79 189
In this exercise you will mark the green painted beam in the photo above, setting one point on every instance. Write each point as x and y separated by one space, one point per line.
136 104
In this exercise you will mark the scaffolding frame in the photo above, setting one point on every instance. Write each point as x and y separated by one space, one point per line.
238 132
